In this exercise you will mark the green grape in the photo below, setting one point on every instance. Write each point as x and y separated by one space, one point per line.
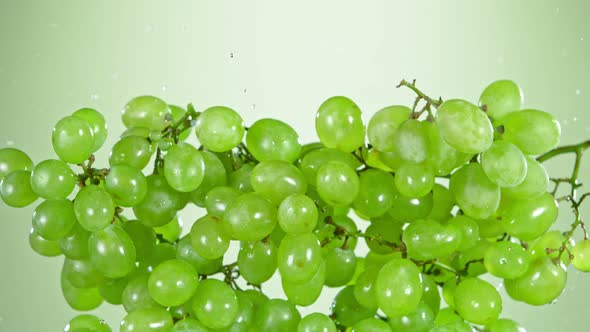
126 185
53 179
477 301
528 218
340 266
75 244
270 139
143 237
347 311
383 230
534 184
12 159
16 190
160 253
112 251
430 294
85 321
307 292
219 198
297 214
316 322
111 290
277 315
214 176
249 217
373 159
441 275
398 287
240 179
299 257
94 208
407 209
490 227
134 151
160 204
504 164
420 320
257 261
178 113
337 183
364 288
172 283
469 230
81 273
72 139
447 316
311 163
147 320
532 131
414 180
54 219
81 299
243 321
427 239
136 294
371 324
145 111
464 126
376 193
441 156
443 202
506 260
541 284
184 167
186 252
505 325
137 131
391 159
384 124
411 141
215 304
189 325
171 231
257 298
458 326
475 194
448 291
97 125
500 98
219 128
277 179
342 222
339 124
552 240
471 260
581 253
42 246
208 237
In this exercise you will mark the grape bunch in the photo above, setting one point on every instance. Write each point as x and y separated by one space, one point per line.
444 194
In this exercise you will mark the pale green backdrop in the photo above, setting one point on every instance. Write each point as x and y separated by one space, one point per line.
271 59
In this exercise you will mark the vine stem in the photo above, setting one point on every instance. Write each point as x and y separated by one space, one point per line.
422 95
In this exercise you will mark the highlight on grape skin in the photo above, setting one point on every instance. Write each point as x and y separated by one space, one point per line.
443 192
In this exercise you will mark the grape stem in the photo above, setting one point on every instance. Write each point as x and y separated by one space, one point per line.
421 96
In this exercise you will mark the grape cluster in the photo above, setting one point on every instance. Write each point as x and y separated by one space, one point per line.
442 193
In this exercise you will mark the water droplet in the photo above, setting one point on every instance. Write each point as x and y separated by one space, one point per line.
581 38
148 28
557 10
578 92
502 261
245 90
164 88
9 143
253 106
575 119
231 55
94 96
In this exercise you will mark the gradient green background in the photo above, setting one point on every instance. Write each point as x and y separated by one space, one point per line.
57 56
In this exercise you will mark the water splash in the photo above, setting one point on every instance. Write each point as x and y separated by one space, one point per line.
94 96
164 88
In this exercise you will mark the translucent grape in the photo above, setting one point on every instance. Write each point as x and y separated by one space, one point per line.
316 322
160 203
581 253
505 325
411 141
307 292
371 324
420 320
208 237
297 214
532 131
215 304
347 311
500 98
160 253
184 167
136 295
219 128
464 126
97 125
541 284
126 185
528 218
81 299
112 290
145 111
364 288
94 208
42 246
143 237
270 139
219 198
376 193
337 183
535 182
339 124
441 156
384 124
250 217
471 260
427 239
81 273
53 179
189 325
172 283
430 294
398 287
12 159
506 260
477 301
277 179
54 219
469 230
407 209
112 251
147 320
75 244
299 257
311 163
257 261
414 180
475 194
277 315
16 190
86 321
240 179
186 252
340 266
382 233
243 321
171 231
72 139
215 175
134 151
504 164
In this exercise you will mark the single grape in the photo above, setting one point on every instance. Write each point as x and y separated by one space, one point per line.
541 284
240 179
75 244
208 237
469 230
160 203
81 273
160 253
376 193
364 288
219 128
250 217
505 325
420 320
97 124
442 157
126 184
94 208
42 246
134 151
277 315
171 231
112 251
398 287
307 292
147 320
112 290
87 321
277 179
270 139
427 239
532 131
534 184
245 318
143 237
81 299
172 283
311 162
257 261
339 124
411 141
189 324
464 126
528 218
53 179
490 227
54 219
316 322
16 190
506 260
145 111
477 301
500 98
136 294
407 209
219 198
215 175
475 194
215 304
430 294
186 252
72 139
384 124
337 183
184 167
347 311
297 214
504 164
581 253
12 159
371 324
414 180
340 266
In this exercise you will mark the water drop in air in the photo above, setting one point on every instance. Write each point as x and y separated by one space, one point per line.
231 55
578 92
9 143
253 106
94 96
164 88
